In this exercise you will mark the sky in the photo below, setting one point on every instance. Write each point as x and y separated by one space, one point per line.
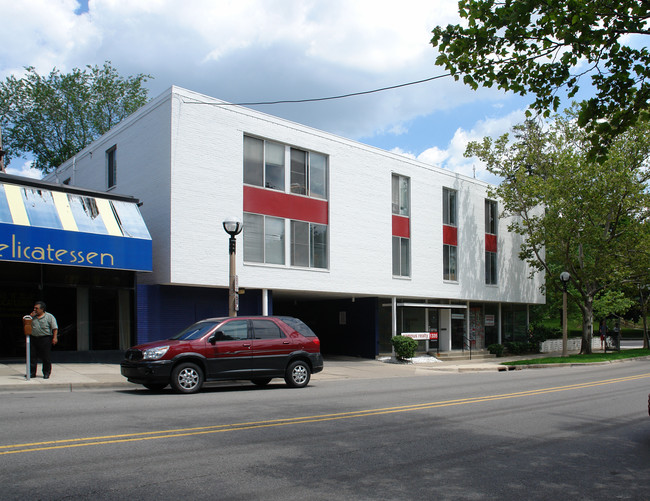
268 50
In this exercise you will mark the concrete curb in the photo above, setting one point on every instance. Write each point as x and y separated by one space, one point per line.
107 376
574 364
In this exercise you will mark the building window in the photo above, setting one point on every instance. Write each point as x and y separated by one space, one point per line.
401 195
263 239
490 268
308 173
111 167
317 175
449 207
263 163
491 218
298 171
449 235
401 257
401 209
450 262
308 244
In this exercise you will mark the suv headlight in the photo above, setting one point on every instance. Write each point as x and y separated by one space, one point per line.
154 353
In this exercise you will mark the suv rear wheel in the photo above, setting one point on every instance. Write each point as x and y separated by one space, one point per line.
187 377
298 374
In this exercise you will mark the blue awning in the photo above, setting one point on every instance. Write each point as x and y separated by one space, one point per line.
47 226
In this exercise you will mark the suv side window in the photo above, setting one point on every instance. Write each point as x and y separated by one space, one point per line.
266 329
234 330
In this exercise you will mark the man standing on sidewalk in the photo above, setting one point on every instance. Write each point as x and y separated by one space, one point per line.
44 331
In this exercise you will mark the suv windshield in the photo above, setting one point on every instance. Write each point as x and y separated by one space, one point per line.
195 331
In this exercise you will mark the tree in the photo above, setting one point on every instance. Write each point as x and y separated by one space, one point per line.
52 118
575 214
542 46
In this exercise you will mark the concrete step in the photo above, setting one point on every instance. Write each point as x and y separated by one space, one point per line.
450 356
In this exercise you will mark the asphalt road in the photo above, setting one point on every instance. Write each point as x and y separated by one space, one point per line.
562 433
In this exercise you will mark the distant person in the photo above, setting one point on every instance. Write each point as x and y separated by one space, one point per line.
603 333
44 335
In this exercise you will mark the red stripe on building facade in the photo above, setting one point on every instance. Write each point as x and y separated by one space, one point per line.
449 235
490 242
401 226
278 204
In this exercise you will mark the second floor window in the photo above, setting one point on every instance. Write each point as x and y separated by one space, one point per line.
111 167
263 239
401 257
450 262
308 244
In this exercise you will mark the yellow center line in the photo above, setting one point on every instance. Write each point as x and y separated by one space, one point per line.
203 430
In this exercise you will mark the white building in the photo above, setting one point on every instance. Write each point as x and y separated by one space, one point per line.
358 242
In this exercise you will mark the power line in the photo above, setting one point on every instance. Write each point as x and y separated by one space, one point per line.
312 100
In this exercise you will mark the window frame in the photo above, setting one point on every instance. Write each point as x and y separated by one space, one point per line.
262 242
111 167
449 207
309 244
447 272
398 207
491 217
401 259
491 268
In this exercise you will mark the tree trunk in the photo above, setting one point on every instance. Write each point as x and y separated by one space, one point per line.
587 326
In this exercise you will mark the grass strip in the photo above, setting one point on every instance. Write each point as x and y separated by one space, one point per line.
585 359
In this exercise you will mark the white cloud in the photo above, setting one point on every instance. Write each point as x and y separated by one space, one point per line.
264 50
453 158
252 50
23 169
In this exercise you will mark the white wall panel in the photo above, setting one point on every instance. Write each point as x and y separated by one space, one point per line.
182 155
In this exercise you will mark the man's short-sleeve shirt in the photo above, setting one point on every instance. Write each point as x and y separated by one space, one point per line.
44 326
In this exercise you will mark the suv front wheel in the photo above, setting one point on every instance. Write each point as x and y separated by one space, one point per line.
187 377
298 374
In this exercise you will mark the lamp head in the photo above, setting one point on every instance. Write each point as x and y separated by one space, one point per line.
565 277
233 225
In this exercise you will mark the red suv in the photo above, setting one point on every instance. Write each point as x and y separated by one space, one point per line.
216 349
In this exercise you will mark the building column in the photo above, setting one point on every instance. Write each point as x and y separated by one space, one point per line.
265 302
499 340
393 322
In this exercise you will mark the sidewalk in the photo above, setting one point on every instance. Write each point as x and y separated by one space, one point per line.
81 376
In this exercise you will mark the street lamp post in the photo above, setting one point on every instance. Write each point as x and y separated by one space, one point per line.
564 278
233 226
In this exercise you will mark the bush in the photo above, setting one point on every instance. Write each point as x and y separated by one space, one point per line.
515 348
405 347
496 349
540 333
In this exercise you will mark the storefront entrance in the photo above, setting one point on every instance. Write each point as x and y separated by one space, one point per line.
94 314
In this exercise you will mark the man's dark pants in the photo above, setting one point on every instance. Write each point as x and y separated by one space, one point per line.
40 347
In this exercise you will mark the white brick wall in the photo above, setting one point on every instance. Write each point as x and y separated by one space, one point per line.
184 161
